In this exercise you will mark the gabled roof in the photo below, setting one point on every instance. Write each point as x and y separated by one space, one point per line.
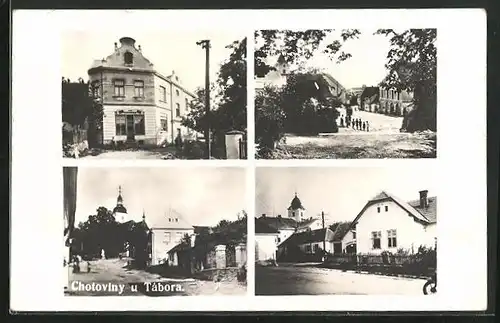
331 80
318 235
171 220
261 227
370 93
306 223
424 216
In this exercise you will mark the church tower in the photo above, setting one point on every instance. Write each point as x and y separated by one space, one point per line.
296 211
120 212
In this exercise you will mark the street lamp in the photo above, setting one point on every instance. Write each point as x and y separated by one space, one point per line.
206 45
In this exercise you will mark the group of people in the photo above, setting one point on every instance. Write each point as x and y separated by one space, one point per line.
356 123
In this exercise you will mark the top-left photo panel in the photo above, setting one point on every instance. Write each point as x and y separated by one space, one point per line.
154 95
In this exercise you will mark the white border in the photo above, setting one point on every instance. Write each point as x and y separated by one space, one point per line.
36 169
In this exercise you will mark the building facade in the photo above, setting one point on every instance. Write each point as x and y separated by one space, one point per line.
166 234
140 104
394 102
387 223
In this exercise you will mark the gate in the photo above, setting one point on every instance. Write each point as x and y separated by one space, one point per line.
243 149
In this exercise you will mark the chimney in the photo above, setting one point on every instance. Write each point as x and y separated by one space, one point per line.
140 49
116 46
263 215
279 216
424 202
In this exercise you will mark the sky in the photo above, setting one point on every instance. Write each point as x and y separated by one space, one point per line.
338 191
168 51
202 195
365 67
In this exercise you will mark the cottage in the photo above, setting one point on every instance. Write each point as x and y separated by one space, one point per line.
387 223
370 98
310 242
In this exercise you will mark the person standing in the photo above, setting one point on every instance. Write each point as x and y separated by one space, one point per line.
367 126
364 125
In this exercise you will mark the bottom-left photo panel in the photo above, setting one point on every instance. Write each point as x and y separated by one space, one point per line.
162 231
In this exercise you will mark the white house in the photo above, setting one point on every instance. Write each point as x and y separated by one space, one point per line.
167 233
387 223
309 242
266 241
140 104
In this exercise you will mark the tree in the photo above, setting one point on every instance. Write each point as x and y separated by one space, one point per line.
269 119
298 46
230 111
412 66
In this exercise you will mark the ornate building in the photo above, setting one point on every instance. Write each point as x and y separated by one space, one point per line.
120 212
140 104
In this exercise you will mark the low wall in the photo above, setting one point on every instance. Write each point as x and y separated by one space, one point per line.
225 274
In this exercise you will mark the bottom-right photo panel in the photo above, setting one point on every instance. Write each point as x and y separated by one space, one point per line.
346 231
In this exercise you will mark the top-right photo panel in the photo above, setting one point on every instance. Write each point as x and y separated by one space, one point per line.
345 94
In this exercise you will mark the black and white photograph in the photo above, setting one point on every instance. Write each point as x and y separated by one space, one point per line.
345 231
345 94
155 231
154 95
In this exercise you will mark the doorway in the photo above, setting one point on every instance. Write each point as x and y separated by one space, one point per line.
130 128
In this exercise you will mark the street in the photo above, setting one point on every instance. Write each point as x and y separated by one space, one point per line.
112 271
302 280
382 141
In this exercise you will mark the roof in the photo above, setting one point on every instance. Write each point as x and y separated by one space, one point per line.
202 229
306 223
171 220
120 209
318 235
261 227
371 93
430 212
340 230
296 204
331 80
425 216
279 223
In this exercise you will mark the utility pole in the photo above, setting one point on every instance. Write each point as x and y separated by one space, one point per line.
323 225
206 45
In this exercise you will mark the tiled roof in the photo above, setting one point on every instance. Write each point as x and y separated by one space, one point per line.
428 212
318 235
262 227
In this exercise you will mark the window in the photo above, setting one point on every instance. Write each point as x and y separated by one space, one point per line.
128 58
391 239
119 88
378 209
163 94
308 248
316 248
177 110
354 235
164 124
121 125
139 127
139 89
376 239
398 95
178 236
95 89
177 92
167 237
386 208
278 239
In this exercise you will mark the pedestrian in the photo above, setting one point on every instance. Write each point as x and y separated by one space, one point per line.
342 121
367 126
357 124
364 126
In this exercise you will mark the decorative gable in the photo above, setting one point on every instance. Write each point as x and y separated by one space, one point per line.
126 56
